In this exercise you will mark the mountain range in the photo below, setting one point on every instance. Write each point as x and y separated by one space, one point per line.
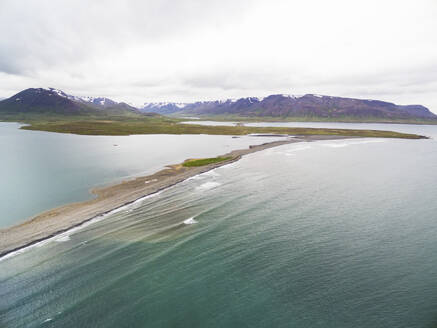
289 106
309 107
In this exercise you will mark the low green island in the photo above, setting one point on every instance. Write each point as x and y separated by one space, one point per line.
120 126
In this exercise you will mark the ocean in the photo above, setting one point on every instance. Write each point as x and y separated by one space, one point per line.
321 234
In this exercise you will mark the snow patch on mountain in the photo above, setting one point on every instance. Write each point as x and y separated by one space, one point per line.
162 104
99 101
61 94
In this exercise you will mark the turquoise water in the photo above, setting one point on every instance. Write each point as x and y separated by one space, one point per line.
40 170
323 234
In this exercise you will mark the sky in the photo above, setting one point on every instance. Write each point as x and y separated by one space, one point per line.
189 50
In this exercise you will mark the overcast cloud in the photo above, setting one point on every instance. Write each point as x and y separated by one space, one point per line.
186 50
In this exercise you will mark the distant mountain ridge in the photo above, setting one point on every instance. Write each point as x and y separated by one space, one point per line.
306 106
55 101
164 108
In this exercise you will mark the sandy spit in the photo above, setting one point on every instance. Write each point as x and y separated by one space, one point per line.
64 218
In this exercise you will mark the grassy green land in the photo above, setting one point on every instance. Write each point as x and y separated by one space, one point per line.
204 161
238 118
156 124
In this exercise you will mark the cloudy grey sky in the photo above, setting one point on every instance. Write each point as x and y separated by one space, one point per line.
185 50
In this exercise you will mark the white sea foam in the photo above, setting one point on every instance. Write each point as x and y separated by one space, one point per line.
65 236
211 173
140 200
196 177
299 148
62 238
289 152
20 251
208 185
190 221
350 143
227 166
119 209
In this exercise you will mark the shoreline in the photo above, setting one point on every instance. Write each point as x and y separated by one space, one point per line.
54 222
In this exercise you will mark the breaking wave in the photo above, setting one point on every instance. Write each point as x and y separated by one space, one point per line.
190 221
208 185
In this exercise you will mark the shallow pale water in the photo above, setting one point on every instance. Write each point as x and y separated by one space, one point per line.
40 170
322 234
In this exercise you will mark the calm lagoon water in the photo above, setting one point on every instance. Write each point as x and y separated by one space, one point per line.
40 170
322 234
